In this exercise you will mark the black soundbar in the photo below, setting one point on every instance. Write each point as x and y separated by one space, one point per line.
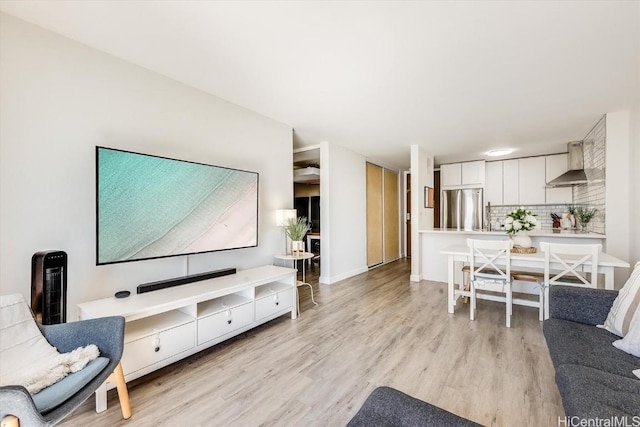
162 284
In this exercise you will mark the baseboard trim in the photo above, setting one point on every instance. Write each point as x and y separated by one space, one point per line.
415 277
334 279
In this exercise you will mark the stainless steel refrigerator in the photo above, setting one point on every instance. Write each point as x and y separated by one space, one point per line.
461 209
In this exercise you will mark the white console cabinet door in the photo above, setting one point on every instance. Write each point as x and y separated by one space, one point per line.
473 173
450 175
224 322
556 165
158 346
273 303
510 179
493 183
531 180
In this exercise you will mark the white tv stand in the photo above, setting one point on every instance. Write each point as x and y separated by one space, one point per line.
170 324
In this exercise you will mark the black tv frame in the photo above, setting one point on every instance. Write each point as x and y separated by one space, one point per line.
98 263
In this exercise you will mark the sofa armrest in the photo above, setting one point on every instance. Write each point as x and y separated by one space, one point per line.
105 332
583 305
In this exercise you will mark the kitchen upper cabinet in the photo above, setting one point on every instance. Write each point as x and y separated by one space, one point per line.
510 182
451 175
556 165
493 183
462 174
531 181
473 173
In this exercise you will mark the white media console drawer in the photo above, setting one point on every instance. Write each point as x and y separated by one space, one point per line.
224 322
167 325
274 303
157 347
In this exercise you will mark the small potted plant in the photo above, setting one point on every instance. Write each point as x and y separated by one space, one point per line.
296 229
520 221
584 216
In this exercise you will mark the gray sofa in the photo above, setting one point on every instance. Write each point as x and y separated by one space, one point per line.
595 379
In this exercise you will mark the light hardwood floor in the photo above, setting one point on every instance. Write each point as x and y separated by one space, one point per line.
374 329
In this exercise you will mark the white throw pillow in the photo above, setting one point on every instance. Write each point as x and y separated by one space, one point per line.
631 342
625 305
637 373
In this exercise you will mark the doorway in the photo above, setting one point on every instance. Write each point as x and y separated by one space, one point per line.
306 198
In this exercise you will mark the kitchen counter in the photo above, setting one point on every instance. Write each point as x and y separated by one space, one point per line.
433 264
533 233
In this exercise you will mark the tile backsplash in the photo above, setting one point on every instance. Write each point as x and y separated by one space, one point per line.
542 212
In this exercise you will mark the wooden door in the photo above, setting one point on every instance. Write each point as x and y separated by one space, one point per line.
374 215
391 236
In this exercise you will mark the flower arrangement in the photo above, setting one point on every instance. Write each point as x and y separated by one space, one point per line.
520 219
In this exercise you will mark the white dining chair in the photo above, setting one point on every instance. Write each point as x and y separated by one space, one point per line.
485 275
569 262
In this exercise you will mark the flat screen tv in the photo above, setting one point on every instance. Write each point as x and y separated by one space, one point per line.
152 207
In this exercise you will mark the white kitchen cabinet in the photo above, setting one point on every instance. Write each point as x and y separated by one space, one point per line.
462 174
473 173
493 183
531 180
556 165
450 175
510 182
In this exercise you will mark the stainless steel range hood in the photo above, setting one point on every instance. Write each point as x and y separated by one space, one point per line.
575 162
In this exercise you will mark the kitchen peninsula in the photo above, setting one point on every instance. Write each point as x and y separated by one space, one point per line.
434 263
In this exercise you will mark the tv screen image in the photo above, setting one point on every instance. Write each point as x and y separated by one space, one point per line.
151 207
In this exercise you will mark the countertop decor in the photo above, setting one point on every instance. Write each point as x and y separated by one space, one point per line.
520 220
584 216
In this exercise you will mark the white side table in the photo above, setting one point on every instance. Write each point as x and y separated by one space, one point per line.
297 257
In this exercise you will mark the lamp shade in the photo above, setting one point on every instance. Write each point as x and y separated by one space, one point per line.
283 216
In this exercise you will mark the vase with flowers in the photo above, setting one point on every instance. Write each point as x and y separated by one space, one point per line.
517 223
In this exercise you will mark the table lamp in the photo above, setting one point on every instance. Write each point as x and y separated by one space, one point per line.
282 220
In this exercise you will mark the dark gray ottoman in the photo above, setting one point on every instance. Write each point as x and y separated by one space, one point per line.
386 406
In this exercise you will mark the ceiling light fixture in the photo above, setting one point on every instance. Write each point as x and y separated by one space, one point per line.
500 152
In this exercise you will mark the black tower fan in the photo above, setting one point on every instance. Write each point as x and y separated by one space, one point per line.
49 287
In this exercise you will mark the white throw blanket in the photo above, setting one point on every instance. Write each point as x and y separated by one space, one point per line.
26 357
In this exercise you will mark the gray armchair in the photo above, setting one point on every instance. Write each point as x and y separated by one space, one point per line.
108 335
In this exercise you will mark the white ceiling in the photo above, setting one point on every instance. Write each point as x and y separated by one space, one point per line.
458 78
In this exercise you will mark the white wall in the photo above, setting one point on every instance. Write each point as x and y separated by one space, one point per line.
343 187
58 100
618 190
421 176
634 179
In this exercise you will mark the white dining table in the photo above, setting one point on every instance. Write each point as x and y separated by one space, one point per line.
460 253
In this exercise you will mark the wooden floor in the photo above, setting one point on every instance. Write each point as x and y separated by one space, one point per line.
374 329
